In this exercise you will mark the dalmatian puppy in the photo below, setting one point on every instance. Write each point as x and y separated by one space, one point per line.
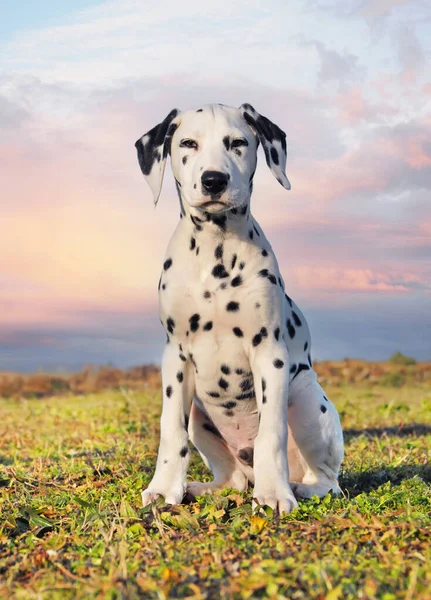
236 370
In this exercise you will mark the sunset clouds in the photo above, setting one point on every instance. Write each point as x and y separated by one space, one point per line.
81 245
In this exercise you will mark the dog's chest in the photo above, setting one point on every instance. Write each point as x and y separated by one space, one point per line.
208 308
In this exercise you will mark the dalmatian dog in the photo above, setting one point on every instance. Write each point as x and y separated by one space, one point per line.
236 370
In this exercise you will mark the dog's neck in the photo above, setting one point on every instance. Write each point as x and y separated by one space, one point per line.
236 221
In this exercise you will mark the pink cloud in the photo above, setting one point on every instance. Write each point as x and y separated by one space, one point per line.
354 280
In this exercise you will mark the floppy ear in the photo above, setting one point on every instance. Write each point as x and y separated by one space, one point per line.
153 148
273 140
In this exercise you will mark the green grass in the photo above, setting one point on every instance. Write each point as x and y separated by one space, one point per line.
71 525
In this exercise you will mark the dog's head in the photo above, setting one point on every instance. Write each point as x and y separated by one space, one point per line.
213 154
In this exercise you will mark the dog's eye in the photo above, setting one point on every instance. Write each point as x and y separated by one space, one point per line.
239 142
188 144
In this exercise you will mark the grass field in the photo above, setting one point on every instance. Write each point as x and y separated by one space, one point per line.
71 524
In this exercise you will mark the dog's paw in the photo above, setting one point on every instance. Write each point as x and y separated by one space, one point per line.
306 491
197 488
149 496
281 501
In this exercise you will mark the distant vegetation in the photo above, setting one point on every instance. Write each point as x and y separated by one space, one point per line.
401 359
398 371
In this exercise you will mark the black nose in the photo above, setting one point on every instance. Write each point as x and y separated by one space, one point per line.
214 182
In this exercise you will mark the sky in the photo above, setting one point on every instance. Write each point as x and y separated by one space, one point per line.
81 245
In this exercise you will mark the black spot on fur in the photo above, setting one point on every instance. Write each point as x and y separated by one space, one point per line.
194 322
277 333
199 110
169 391
219 272
183 451
186 422
218 252
223 383
323 408
256 231
246 384
238 332
219 220
259 336
296 319
233 261
293 368
196 222
236 281
263 273
184 160
272 279
208 326
232 306
278 364
192 243
309 360
213 394
183 358
250 234
241 265
170 324
229 404
263 399
226 142
290 329
244 209
225 369
207 294
305 346
288 299
274 155
264 253
245 396
167 264
325 398
239 371
180 376
301 367
263 384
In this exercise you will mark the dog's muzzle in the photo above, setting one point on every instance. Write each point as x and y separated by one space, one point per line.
214 182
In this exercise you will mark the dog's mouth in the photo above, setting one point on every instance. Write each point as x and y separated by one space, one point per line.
212 203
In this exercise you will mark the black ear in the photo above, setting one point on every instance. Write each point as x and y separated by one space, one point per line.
273 140
153 148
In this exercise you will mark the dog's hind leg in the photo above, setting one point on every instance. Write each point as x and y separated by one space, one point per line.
315 426
227 470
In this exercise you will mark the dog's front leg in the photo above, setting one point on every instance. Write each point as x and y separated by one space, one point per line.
169 479
270 366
